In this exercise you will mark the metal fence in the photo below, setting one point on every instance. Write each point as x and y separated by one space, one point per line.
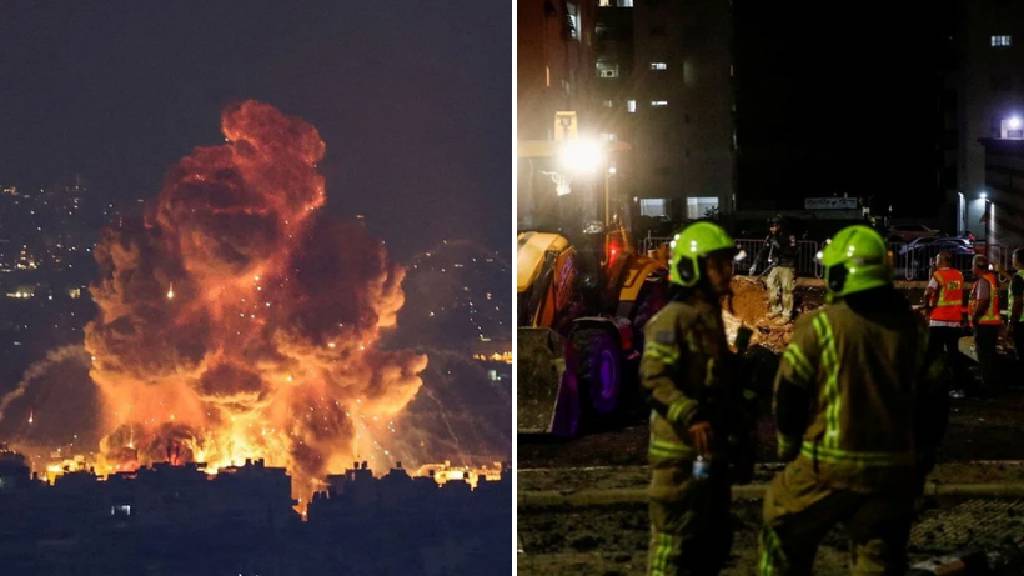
807 264
915 263
909 264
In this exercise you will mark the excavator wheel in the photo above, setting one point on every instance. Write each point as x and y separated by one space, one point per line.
599 371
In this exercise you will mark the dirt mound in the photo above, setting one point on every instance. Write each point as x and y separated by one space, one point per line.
749 300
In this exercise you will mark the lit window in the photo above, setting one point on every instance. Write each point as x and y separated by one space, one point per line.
659 102
1012 128
573 12
609 103
625 3
608 136
659 65
654 207
607 70
121 510
1002 40
630 105
700 206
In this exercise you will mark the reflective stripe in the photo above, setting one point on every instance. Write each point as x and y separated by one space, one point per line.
857 457
662 543
771 551
666 353
786 445
951 284
1009 305
991 315
799 362
675 408
830 362
668 448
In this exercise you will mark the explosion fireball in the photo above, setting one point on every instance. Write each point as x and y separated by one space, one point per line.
237 322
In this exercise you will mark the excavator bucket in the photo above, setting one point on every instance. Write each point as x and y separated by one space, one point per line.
547 401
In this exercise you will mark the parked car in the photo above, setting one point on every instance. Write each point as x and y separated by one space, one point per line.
911 232
915 259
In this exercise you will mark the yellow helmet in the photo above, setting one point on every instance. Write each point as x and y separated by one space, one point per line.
696 241
855 260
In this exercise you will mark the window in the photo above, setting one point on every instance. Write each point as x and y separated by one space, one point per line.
625 3
659 102
659 65
572 11
1002 41
1011 128
609 103
607 70
654 207
608 136
700 206
630 105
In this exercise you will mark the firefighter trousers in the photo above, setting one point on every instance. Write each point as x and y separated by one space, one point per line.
781 282
691 528
799 511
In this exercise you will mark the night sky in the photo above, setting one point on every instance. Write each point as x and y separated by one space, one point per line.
412 98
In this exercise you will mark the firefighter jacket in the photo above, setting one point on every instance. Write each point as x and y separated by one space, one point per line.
685 370
857 397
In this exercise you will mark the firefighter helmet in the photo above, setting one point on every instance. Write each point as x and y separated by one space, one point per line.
691 246
855 260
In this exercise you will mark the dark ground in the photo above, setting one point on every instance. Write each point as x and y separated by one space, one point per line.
982 446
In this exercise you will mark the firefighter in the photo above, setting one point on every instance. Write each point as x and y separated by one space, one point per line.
1015 321
944 304
983 310
779 255
685 370
860 408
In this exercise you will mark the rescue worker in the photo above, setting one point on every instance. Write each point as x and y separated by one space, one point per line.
1015 321
685 370
860 408
983 310
779 254
944 304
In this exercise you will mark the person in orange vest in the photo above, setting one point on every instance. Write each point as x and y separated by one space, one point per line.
983 310
944 303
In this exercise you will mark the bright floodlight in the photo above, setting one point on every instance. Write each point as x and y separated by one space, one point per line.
1014 122
581 156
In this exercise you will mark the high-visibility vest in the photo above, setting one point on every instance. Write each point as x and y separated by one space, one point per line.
950 303
991 315
1020 274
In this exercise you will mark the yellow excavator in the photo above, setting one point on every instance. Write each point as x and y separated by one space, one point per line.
580 328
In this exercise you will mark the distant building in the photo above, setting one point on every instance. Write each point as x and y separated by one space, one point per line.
992 106
1002 207
682 102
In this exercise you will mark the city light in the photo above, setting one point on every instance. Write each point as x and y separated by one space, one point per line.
583 156
1014 122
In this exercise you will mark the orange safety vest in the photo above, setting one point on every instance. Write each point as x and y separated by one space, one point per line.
991 315
950 303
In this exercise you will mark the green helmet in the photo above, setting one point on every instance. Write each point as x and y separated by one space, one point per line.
855 260
697 240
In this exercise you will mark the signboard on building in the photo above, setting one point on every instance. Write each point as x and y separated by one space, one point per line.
566 125
830 203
